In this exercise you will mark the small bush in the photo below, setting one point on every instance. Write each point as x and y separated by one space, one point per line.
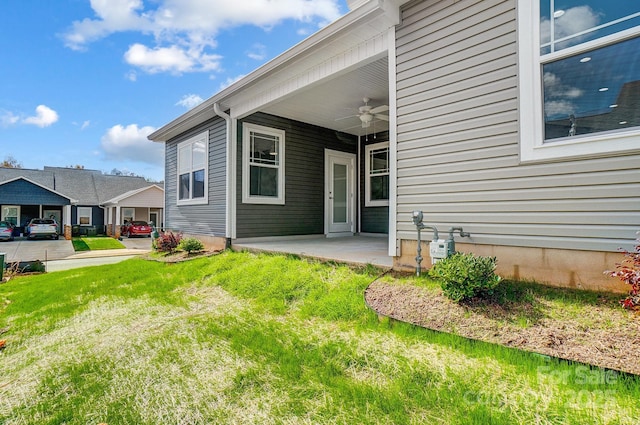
191 245
628 271
465 276
167 242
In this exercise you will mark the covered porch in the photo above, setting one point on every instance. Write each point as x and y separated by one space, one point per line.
351 249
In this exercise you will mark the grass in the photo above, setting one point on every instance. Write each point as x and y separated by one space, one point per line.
95 243
264 339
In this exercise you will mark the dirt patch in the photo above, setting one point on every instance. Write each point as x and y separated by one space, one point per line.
602 335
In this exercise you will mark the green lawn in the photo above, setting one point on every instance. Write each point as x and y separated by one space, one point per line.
95 243
241 338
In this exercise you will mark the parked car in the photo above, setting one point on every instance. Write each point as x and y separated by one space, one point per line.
136 228
42 227
6 231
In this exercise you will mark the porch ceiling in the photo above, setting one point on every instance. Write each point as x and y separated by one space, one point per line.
334 104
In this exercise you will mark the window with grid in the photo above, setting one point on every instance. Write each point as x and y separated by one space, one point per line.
377 175
580 77
263 165
192 170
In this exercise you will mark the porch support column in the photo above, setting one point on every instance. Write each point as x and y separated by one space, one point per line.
66 219
116 227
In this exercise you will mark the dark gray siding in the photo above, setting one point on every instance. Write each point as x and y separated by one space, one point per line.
374 219
203 219
22 192
303 212
458 145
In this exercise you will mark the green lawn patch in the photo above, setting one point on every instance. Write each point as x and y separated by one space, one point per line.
265 339
95 243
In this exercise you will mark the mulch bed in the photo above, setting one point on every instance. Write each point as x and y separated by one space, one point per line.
178 256
608 338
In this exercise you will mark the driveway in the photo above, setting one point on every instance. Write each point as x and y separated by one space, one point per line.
47 249
39 249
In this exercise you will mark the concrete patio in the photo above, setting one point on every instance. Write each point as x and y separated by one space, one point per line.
350 249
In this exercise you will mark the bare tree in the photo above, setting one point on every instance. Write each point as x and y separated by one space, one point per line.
10 162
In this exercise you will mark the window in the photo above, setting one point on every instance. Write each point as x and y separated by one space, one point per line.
192 170
376 184
11 213
579 77
262 165
84 216
128 214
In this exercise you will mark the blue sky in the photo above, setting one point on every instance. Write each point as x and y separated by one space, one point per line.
83 82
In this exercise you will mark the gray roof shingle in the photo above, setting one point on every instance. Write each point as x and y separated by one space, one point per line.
89 187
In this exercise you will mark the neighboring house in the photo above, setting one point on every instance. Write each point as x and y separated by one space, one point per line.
514 120
82 201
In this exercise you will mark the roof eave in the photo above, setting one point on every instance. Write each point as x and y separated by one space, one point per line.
204 111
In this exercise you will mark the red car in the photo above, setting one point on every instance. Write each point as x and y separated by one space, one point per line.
136 228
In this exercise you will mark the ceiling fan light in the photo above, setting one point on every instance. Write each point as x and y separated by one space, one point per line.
366 118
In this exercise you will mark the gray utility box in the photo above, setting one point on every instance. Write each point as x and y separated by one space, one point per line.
441 249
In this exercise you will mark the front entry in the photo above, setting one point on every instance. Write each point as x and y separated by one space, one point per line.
340 200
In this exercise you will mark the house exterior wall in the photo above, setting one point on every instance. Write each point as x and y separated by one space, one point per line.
206 219
373 219
303 212
22 192
97 217
458 155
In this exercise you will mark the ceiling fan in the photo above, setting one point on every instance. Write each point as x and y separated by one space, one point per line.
367 113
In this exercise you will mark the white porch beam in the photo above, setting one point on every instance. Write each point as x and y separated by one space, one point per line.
357 56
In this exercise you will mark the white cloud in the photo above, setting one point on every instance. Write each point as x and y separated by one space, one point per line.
190 100
84 125
173 59
258 52
131 76
44 117
185 30
573 21
230 81
130 143
8 118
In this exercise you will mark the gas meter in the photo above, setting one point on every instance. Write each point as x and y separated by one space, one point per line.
440 249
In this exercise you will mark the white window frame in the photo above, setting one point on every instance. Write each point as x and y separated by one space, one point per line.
368 202
185 146
5 209
124 214
247 198
532 146
80 214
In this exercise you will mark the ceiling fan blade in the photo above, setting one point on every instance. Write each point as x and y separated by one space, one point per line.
381 117
351 127
346 118
378 109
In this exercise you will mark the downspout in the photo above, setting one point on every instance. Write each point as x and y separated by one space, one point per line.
227 212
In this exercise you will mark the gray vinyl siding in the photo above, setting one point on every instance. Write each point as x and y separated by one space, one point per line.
22 192
373 219
457 145
207 219
303 212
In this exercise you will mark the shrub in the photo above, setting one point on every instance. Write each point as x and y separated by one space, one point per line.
628 271
465 276
167 242
191 245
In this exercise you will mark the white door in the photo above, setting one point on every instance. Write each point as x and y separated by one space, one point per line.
339 193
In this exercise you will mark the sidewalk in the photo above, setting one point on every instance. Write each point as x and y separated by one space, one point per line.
134 247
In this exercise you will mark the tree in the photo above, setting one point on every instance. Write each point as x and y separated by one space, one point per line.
10 162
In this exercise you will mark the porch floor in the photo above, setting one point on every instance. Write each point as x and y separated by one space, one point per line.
349 249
